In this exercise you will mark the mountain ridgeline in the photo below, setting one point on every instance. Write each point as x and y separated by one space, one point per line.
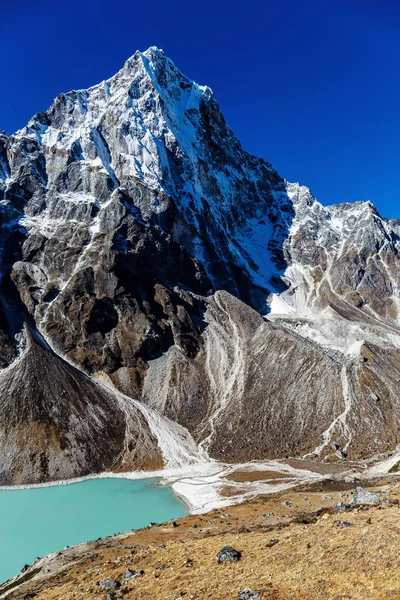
166 297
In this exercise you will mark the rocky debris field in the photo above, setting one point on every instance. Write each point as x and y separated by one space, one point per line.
326 540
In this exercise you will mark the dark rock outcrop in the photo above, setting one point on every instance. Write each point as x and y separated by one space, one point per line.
228 554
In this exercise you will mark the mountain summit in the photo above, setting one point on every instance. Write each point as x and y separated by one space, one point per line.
169 294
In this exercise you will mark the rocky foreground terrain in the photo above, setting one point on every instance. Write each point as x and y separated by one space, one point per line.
328 540
169 294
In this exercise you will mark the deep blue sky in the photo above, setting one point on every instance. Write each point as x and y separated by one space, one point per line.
313 86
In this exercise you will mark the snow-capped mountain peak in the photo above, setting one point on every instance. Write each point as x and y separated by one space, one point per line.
140 242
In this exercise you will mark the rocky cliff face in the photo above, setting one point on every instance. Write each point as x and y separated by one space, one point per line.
141 244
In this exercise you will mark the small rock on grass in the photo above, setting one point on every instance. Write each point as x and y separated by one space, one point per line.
341 506
344 524
127 575
139 573
228 554
362 496
248 594
108 584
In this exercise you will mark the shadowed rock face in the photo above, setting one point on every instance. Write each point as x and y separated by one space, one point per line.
58 423
143 244
7 344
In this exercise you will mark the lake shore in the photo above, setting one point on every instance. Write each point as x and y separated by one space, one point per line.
37 521
211 484
313 556
199 485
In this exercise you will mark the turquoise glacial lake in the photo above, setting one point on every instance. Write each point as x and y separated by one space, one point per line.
37 521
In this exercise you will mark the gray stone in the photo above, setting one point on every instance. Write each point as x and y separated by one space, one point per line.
127 575
228 554
362 496
139 573
248 594
344 524
108 584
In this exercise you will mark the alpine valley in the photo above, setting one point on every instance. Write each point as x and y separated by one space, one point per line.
167 299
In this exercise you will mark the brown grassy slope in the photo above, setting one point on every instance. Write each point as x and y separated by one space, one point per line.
314 559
